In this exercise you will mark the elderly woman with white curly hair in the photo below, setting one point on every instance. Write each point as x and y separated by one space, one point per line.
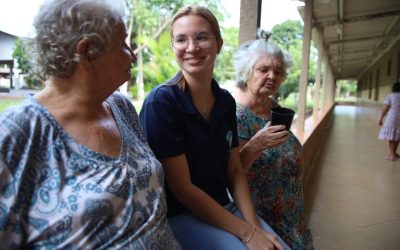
75 169
271 155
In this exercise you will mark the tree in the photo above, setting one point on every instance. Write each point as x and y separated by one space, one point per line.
21 56
224 70
148 26
24 65
160 64
289 37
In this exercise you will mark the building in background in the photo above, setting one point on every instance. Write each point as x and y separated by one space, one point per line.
8 71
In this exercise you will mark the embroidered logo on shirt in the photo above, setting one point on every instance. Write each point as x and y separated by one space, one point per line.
229 138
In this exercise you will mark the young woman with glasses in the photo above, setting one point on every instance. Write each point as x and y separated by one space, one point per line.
190 124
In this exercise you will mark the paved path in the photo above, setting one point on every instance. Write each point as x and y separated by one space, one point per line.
354 195
17 94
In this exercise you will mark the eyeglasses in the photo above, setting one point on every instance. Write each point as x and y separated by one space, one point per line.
202 40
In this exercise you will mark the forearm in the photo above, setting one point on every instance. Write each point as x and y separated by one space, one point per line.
206 208
249 153
239 189
384 112
199 202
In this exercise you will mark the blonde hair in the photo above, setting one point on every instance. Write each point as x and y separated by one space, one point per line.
203 12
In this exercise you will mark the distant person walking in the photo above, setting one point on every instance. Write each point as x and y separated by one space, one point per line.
390 130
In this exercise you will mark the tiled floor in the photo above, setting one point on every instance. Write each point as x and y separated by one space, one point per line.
353 196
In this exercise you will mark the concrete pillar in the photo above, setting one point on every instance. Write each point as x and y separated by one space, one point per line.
305 55
317 83
250 14
325 86
332 88
329 89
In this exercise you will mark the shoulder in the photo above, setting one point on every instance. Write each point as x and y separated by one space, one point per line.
240 111
122 106
227 96
162 93
119 99
22 127
166 93
224 95
22 115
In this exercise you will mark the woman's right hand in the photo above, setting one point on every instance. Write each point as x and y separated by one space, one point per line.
271 136
264 241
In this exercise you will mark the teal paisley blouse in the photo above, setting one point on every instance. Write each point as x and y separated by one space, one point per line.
276 183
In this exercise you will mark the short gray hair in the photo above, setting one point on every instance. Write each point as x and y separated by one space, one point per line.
61 24
248 54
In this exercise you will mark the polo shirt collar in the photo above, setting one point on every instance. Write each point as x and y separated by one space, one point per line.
185 103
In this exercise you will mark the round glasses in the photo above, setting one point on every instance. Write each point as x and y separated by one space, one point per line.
202 40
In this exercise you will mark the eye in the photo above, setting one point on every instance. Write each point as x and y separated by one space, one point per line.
202 36
279 72
180 39
263 70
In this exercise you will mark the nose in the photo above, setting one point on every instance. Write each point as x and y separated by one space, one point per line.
271 74
133 56
192 45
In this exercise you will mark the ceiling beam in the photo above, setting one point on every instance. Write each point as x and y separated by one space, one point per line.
357 18
363 39
336 62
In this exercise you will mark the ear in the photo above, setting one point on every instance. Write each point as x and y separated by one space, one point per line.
220 43
82 49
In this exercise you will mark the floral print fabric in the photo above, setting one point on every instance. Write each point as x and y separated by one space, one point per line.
275 182
58 194
390 130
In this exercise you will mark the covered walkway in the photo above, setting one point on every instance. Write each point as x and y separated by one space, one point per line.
354 193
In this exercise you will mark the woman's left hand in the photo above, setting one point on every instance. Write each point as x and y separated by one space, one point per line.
271 136
264 240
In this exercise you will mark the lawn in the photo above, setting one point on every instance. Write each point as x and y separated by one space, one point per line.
8 103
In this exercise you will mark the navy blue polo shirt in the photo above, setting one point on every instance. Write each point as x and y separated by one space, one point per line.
173 126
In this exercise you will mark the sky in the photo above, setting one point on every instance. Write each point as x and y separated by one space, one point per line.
17 16
273 12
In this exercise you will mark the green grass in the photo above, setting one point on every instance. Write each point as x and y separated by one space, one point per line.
9 103
291 102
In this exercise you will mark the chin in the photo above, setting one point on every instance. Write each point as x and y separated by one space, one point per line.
198 69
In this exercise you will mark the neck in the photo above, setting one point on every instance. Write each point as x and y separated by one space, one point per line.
62 96
199 85
200 89
260 105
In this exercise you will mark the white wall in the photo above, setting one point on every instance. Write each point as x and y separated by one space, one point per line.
7 42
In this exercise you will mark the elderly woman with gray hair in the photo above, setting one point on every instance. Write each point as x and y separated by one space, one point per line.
271 155
75 169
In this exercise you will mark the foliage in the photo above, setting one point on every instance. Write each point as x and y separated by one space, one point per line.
224 70
346 88
24 65
21 56
149 25
292 100
289 36
160 65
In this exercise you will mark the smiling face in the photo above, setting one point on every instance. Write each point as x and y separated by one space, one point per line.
267 76
195 58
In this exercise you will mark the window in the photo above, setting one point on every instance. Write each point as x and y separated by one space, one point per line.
370 86
398 66
377 86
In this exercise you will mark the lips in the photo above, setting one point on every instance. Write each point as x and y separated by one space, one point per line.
194 60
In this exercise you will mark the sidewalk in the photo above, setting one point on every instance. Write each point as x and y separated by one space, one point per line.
17 94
